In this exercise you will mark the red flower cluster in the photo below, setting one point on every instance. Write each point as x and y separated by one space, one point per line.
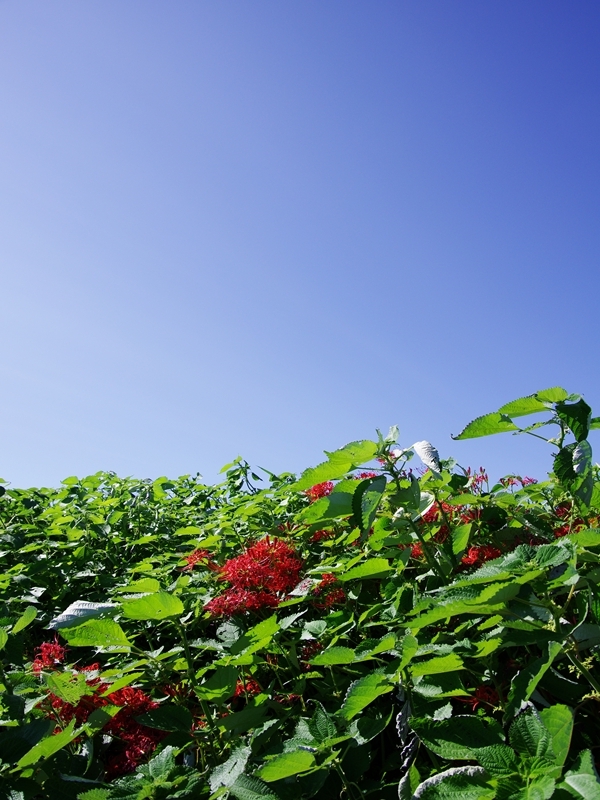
476 556
361 476
246 688
319 490
320 535
328 594
48 655
483 694
132 742
194 558
307 652
259 578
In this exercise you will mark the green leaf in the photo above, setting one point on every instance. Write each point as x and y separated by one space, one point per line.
435 666
321 725
96 633
366 500
362 692
247 788
3 638
486 426
558 720
525 682
523 406
50 745
25 619
258 636
69 686
498 759
286 764
337 504
219 687
153 606
80 611
576 416
371 568
355 453
121 683
529 736
458 783
146 585
554 395
460 538
334 655
583 779
595 423
168 717
456 738
229 771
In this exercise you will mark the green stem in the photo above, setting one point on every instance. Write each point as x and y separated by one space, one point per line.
434 566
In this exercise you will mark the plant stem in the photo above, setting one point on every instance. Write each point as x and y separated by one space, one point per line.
430 560
584 671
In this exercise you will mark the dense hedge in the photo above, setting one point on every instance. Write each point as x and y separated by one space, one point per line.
371 629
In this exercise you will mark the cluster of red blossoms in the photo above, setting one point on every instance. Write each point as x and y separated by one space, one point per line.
48 655
483 694
259 578
132 742
319 490
328 593
476 556
194 558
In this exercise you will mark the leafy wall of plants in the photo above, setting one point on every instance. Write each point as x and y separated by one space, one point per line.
369 629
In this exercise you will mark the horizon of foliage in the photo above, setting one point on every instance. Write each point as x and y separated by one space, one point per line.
365 630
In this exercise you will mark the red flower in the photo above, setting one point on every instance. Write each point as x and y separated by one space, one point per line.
269 565
319 490
483 694
48 655
239 601
320 535
246 688
528 481
361 476
476 556
416 550
307 652
329 596
194 558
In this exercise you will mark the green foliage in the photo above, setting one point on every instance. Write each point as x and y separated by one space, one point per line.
370 635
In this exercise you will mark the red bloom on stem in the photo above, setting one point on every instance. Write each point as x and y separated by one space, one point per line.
483 694
319 490
361 476
259 578
320 535
476 556
48 655
528 481
247 687
329 595
194 558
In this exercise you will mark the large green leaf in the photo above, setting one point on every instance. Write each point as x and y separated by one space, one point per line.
456 738
96 633
334 655
529 736
554 395
160 605
257 637
582 780
437 665
249 788
69 686
486 426
523 406
286 765
362 693
25 619
219 687
458 783
526 681
50 745
338 464
80 611
227 773
558 720
366 500
576 416
371 568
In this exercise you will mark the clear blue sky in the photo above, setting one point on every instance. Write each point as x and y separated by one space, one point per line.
267 228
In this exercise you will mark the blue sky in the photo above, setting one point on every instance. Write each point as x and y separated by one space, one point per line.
267 228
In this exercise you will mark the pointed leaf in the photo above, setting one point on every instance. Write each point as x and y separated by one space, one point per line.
286 765
458 783
371 568
248 788
583 779
486 426
25 619
160 605
576 416
96 633
525 682
80 611
428 455
554 395
366 500
227 773
362 693
523 406
558 720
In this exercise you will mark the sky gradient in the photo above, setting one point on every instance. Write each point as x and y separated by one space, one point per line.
267 228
